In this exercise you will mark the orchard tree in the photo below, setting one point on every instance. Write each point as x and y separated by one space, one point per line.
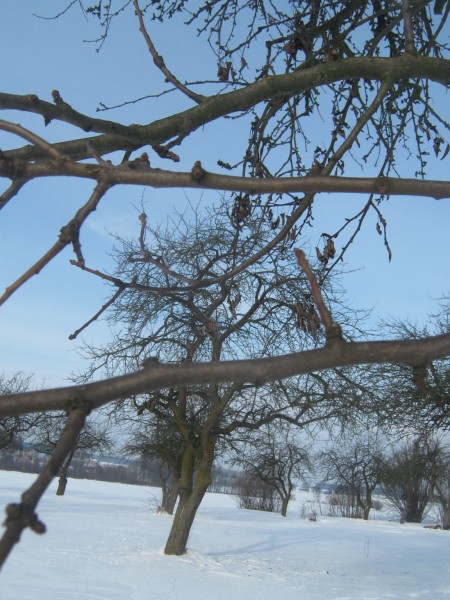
155 438
369 69
93 437
442 486
355 464
276 457
410 477
267 306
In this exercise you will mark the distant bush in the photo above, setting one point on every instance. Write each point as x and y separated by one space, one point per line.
342 503
254 494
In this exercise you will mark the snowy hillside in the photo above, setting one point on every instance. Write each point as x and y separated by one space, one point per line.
104 543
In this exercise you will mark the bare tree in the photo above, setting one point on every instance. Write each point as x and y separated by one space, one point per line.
410 478
94 437
368 68
355 464
157 439
442 486
267 306
274 455
255 494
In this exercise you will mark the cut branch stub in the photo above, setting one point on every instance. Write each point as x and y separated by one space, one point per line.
332 329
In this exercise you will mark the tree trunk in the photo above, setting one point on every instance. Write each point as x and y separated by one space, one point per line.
284 505
170 491
183 520
367 504
413 513
62 483
446 517
190 496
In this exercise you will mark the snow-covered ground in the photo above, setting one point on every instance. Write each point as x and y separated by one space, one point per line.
104 543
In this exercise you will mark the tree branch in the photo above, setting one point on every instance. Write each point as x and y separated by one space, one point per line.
214 107
69 234
161 178
22 515
255 371
31 137
332 329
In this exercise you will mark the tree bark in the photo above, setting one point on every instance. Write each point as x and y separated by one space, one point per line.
284 505
183 520
170 489
62 484
192 489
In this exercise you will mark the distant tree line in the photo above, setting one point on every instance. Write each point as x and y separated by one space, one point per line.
85 465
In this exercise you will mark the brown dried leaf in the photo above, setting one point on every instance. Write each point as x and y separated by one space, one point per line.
275 223
320 256
331 248
437 145
301 314
313 323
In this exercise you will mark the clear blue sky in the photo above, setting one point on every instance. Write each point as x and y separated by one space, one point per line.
40 56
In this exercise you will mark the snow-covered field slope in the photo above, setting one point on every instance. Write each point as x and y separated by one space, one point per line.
104 543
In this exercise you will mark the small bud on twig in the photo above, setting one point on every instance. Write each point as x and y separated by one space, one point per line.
198 172
57 97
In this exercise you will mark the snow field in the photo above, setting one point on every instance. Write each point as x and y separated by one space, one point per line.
104 543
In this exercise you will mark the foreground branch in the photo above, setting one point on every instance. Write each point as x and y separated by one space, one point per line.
20 516
255 371
126 174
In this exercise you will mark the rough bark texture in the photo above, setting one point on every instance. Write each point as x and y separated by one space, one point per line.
193 486
170 490
284 506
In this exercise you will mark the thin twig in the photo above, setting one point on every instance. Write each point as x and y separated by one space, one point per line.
359 126
22 515
111 301
159 60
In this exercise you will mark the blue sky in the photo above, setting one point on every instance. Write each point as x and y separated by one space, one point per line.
45 55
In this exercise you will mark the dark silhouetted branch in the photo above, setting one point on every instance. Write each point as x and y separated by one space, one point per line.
22 515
